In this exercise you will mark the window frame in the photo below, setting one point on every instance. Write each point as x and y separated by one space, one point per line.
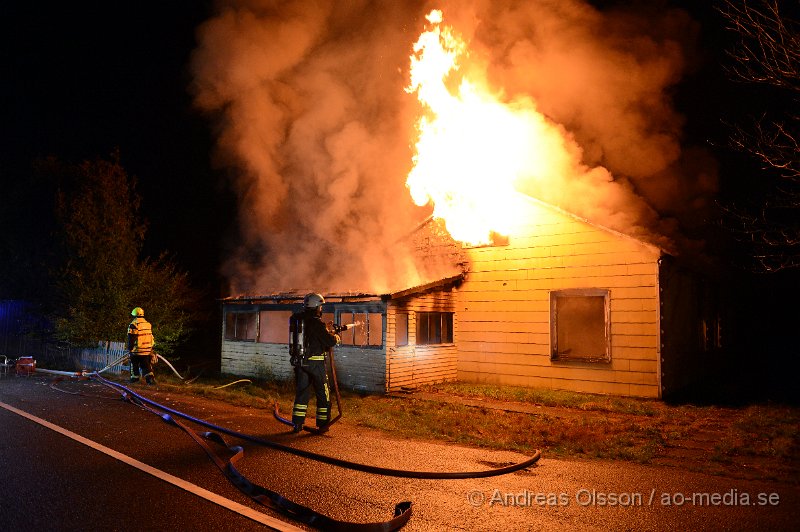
555 295
404 318
367 327
711 333
281 318
237 317
428 318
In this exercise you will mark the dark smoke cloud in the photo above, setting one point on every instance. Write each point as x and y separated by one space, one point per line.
311 118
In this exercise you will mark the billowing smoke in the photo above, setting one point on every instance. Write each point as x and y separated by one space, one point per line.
606 78
314 125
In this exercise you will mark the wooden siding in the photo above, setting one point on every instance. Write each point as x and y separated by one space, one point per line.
503 308
361 369
254 359
412 365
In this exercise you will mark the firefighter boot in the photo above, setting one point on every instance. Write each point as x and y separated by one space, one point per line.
150 380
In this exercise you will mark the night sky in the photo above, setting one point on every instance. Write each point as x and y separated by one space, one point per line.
84 78
81 79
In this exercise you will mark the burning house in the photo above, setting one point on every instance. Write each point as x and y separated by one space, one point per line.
340 139
565 304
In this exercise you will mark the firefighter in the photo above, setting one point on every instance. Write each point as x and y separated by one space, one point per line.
140 346
310 340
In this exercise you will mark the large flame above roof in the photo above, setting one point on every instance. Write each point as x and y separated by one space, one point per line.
473 148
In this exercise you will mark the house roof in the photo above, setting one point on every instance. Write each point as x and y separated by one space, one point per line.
526 200
454 278
534 201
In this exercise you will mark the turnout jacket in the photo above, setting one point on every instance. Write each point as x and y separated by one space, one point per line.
317 339
140 337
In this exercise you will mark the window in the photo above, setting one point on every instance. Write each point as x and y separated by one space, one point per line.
434 328
367 332
401 329
711 333
274 327
240 326
579 325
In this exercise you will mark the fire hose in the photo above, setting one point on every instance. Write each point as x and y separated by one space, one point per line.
390 472
189 381
269 498
277 502
84 373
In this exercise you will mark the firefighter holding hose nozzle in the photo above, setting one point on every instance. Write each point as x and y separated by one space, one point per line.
309 342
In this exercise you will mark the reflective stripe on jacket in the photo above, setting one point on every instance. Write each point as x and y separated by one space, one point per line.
140 337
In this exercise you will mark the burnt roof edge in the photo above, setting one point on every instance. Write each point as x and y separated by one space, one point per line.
290 297
455 280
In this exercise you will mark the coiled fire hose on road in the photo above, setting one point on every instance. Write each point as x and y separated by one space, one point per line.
385 471
272 499
263 496
279 503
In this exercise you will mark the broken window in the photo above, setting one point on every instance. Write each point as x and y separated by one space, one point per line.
711 333
368 330
580 325
241 326
401 329
274 326
434 328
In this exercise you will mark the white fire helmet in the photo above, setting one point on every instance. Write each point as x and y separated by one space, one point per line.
312 301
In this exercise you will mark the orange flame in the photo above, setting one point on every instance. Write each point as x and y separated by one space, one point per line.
472 148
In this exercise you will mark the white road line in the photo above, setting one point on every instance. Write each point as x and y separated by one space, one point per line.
262 518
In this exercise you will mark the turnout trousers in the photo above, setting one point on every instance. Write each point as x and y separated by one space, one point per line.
311 374
141 364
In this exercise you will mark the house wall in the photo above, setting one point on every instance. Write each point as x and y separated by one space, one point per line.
363 370
357 368
503 308
413 365
255 359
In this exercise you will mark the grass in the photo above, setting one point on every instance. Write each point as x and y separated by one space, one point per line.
764 430
595 436
572 425
545 397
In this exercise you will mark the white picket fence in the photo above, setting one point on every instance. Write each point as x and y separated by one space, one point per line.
105 353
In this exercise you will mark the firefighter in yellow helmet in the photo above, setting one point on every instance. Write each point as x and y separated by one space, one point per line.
310 340
140 346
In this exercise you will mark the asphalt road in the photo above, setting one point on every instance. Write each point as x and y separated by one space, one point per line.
48 481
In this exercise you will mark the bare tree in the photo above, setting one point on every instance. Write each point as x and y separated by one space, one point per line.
766 52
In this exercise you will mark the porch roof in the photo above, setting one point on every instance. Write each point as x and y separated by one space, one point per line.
295 295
